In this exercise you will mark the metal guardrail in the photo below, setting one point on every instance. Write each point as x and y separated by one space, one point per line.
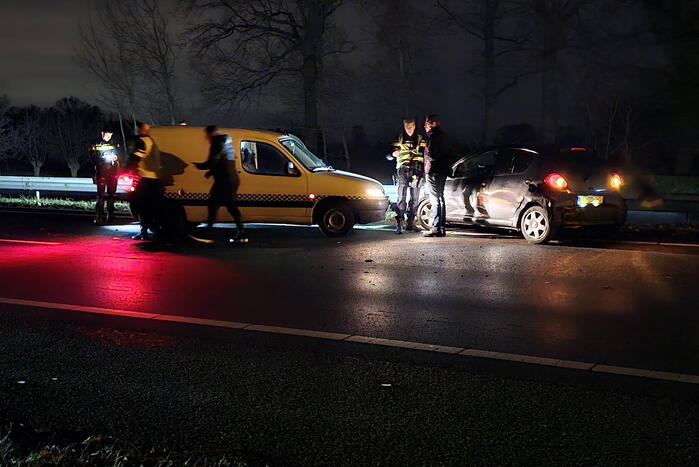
51 184
85 185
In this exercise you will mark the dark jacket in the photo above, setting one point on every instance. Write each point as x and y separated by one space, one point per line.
221 161
105 155
438 152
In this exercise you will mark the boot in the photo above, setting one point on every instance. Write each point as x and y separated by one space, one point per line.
399 226
240 236
410 225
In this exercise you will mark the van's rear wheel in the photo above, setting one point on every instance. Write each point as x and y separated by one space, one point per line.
337 219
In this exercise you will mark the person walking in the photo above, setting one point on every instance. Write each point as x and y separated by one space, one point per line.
437 157
148 194
221 165
408 154
105 154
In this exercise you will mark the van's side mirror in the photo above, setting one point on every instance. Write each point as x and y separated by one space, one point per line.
292 170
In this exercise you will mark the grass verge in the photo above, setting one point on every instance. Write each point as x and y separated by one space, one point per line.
21 446
56 203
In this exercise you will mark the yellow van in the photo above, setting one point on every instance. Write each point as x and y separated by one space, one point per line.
281 181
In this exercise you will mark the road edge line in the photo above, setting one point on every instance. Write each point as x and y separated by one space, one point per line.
334 336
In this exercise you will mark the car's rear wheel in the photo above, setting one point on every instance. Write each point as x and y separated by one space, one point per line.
536 225
424 215
337 219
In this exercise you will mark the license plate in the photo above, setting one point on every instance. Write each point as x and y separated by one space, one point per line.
586 200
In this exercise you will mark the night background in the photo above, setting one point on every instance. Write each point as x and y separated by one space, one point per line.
260 307
618 77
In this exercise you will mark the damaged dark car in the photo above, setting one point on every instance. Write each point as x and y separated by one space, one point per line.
534 191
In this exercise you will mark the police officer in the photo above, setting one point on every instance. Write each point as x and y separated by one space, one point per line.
221 165
106 156
438 155
148 194
408 154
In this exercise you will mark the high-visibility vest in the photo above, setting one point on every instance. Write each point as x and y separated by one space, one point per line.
106 153
410 150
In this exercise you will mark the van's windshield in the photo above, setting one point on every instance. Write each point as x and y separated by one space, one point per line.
302 154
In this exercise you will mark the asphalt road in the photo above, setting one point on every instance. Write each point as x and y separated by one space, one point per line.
619 304
285 400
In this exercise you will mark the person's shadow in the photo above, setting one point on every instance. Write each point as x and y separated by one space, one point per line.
170 165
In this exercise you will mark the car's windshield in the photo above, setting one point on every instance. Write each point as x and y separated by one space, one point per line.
301 153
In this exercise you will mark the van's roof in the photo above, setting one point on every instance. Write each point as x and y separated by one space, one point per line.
234 132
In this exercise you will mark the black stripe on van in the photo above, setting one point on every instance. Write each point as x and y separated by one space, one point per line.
255 204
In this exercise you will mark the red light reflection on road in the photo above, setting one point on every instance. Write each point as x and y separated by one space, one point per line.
114 273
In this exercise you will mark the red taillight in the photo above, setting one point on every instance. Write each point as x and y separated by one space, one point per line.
556 180
616 181
127 182
578 149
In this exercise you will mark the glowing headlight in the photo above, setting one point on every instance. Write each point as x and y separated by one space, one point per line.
375 193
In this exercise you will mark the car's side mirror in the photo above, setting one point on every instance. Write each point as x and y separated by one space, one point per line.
292 170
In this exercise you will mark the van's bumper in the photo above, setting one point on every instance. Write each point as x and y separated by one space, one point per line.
370 210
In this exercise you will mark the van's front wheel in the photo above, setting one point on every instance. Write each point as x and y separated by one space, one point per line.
337 219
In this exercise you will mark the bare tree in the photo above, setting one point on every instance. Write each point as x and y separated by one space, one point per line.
75 124
500 64
5 134
400 28
30 137
551 32
244 46
128 45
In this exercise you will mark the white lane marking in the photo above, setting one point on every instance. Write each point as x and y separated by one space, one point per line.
201 321
530 359
28 242
620 370
297 332
78 308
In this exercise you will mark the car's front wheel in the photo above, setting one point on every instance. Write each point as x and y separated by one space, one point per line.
424 214
536 225
337 219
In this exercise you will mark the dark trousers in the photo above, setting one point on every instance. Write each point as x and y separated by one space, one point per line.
406 185
435 190
224 193
146 201
106 193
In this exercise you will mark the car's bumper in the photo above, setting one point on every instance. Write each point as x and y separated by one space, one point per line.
569 214
370 210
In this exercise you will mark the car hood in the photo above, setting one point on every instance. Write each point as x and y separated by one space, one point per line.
339 180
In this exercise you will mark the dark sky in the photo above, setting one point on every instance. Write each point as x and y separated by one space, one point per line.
37 38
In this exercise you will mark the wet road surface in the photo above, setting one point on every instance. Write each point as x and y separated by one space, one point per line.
628 305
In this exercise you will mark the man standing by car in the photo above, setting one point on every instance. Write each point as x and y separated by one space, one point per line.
408 153
149 191
105 154
221 164
437 157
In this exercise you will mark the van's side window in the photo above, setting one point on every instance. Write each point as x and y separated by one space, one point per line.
263 159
